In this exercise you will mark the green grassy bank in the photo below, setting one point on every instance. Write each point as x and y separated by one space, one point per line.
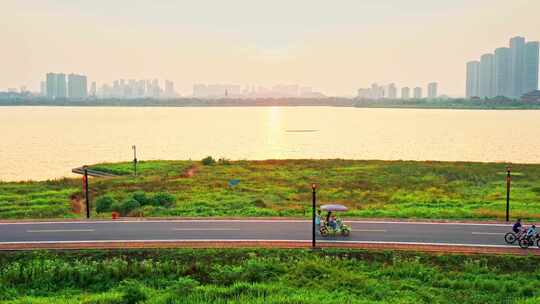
265 276
393 189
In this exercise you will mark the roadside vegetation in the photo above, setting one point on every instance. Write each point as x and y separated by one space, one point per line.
264 276
385 189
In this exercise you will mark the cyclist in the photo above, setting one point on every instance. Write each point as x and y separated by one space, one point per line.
517 226
531 232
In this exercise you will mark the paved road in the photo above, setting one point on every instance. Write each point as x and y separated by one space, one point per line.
490 235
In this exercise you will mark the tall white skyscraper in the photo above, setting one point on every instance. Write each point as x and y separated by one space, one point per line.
487 83
502 67
417 93
77 86
517 70
405 93
61 87
392 91
473 79
432 90
531 67
51 85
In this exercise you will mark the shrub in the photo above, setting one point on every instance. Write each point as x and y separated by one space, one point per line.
132 292
104 203
183 286
142 198
126 206
164 199
208 161
224 161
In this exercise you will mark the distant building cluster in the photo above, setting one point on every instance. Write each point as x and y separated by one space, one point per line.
133 88
390 92
510 71
56 86
236 91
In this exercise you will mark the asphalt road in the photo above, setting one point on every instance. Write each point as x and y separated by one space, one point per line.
468 234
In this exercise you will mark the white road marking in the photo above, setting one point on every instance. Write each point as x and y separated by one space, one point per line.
207 229
488 233
369 230
61 230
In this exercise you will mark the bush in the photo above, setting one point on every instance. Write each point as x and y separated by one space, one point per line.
183 286
132 292
142 198
164 199
104 203
126 206
208 161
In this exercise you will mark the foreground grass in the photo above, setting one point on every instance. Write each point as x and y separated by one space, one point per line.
394 189
265 276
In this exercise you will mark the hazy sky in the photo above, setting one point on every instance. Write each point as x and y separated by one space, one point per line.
335 46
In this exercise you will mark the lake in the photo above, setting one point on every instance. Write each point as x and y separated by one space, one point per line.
47 142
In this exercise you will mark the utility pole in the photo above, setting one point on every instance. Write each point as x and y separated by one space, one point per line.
86 194
508 179
134 159
314 203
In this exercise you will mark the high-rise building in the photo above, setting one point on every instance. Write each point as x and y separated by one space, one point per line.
93 89
77 86
487 83
502 71
169 89
417 93
51 85
517 68
432 90
61 87
473 79
43 88
392 91
531 67
405 93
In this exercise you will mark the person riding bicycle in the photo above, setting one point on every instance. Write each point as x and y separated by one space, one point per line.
531 232
517 226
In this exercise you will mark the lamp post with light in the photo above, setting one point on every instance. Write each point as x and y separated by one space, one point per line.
314 203
508 179
134 159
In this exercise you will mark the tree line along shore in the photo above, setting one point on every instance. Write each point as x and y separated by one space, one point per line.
447 103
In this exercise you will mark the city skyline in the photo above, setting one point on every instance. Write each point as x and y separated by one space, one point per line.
335 48
509 71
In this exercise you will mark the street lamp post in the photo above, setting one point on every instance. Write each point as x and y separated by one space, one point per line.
86 194
508 179
134 159
314 203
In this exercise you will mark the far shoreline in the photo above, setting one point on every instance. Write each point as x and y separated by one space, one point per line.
440 104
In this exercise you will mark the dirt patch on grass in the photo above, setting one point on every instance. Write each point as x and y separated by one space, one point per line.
77 204
190 172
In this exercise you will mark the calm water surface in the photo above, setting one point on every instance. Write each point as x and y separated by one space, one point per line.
46 142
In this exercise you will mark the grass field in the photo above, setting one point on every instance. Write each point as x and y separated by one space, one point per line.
389 189
265 276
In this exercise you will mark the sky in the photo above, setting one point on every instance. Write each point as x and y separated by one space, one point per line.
334 46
